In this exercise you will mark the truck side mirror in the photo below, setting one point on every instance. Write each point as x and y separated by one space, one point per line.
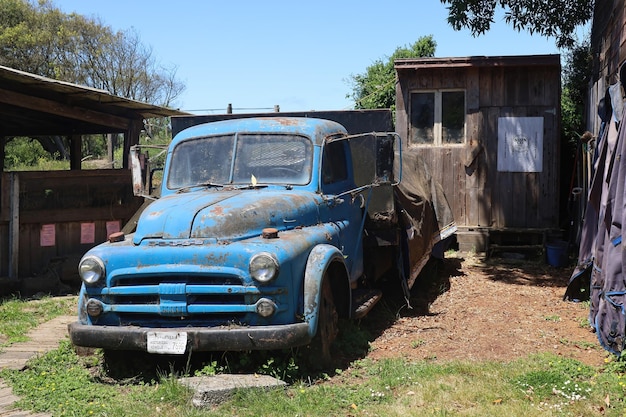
137 160
388 148
384 158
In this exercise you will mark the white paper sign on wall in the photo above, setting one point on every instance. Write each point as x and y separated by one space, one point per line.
520 144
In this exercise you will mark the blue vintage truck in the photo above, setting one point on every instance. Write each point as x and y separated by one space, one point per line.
267 230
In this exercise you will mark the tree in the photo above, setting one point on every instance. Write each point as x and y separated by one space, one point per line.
39 38
558 18
575 80
376 88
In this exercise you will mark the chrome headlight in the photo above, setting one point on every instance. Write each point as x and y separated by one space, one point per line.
263 267
265 307
91 269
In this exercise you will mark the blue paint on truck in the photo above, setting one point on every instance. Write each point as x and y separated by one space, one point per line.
261 239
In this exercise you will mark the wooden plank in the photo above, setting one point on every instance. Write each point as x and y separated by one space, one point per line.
472 203
63 110
485 87
515 206
534 216
14 226
485 212
473 90
80 214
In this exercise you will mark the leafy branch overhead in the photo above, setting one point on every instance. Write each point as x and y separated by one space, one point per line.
376 87
550 18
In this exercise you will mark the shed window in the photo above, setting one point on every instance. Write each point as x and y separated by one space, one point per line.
437 117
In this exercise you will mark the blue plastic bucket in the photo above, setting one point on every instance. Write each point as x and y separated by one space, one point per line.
556 253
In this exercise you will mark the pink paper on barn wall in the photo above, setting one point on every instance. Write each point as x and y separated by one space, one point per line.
87 233
47 235
113 226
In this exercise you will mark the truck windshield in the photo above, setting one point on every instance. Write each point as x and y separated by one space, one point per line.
233 159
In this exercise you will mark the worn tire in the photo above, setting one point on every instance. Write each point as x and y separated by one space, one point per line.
321 352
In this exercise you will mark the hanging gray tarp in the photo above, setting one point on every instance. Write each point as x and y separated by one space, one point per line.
601 256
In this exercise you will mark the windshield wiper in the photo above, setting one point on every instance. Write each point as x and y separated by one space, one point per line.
206 184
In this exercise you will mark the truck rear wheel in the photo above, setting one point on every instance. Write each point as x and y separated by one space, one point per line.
327 328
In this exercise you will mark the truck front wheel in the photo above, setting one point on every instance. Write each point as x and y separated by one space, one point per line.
327 328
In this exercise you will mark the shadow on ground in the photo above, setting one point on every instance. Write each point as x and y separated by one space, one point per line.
294 364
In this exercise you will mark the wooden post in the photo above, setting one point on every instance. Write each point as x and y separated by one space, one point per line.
111 149
131 137
3 144
14 224
3 141
76 145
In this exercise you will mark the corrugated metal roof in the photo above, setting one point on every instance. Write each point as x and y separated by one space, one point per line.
32 105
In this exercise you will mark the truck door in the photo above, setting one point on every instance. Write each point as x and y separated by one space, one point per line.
347 212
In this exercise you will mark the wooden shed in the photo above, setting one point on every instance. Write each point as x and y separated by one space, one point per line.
489 129
49 219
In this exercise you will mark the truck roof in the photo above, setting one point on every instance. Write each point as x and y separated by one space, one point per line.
317 129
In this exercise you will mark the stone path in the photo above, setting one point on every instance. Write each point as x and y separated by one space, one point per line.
41 339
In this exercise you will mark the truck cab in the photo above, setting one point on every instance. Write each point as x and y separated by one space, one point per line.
261 238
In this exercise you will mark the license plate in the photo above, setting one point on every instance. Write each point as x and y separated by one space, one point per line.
167 343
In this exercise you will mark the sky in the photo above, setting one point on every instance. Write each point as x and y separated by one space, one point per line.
297 55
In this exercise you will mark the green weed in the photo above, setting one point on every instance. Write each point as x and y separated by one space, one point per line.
62 383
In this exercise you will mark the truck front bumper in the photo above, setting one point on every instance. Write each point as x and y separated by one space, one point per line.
198 338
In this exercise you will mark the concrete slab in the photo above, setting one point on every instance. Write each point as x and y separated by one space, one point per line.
212 390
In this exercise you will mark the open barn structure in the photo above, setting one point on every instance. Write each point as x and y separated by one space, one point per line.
49 219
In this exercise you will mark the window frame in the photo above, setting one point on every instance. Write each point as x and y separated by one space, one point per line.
438 117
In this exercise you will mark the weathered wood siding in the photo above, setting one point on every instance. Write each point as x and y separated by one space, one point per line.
481 196
65 199
608 45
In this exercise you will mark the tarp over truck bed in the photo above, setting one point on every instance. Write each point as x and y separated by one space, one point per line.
429 216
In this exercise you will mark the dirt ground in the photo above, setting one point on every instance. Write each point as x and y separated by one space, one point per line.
494 309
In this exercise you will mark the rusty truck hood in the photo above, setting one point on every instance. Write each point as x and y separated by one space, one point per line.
226 215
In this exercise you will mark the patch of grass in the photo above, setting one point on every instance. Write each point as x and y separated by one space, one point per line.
417 343
18 316
554 318
62 383
582 344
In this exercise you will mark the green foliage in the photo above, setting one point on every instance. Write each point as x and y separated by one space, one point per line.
576 77
37 37
63 383
21 152
376 88
60 382
553 18
562 377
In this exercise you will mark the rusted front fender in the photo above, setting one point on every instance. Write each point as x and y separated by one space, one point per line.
320 258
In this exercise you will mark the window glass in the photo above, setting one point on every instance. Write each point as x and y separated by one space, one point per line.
278 159
422 118
334 163
234 159
202 160
452 116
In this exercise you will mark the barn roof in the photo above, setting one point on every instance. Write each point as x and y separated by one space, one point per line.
32 105
478 61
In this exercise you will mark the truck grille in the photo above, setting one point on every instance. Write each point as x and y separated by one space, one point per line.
176 300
